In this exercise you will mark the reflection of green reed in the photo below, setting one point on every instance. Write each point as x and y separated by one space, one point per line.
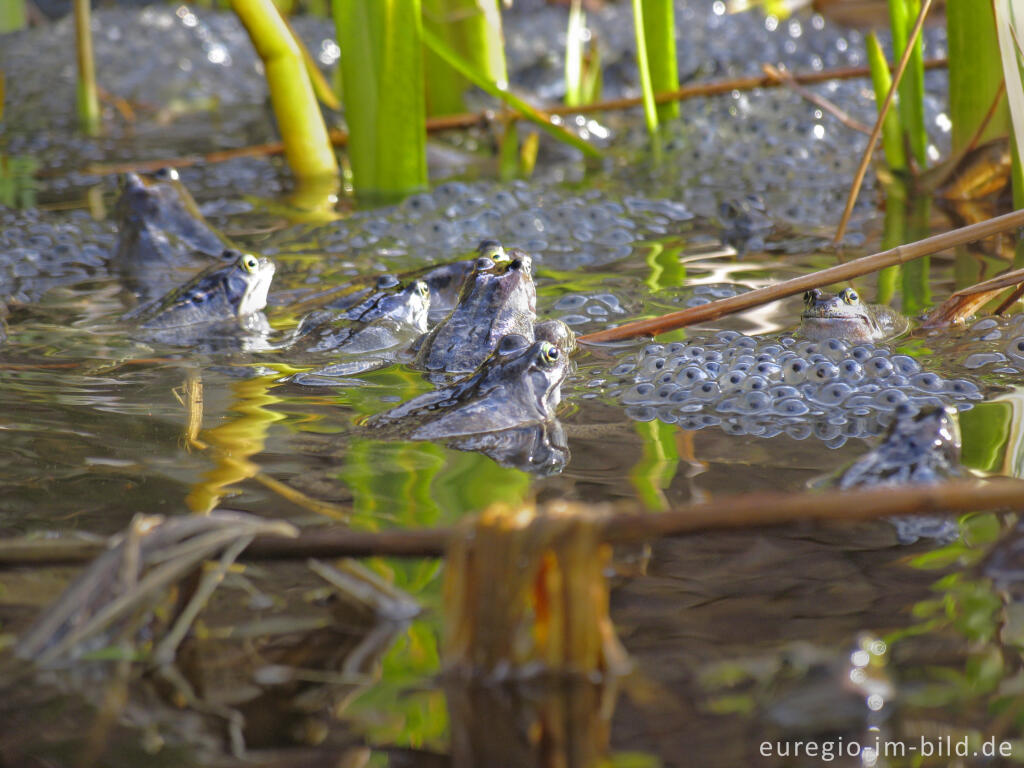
401 710
235 441
970 608
418 483
667 270
658 465
993 435
17 181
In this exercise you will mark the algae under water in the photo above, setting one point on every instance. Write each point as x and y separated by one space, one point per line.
802 633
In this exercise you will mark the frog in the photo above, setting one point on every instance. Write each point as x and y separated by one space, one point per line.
516 386
444 280
235 292
384 319
844 316
162 236
497 299
920 447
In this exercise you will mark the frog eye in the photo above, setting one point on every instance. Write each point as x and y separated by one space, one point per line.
250 263
549 353
422 288
808 297
482 264
492 249
850 296
166 174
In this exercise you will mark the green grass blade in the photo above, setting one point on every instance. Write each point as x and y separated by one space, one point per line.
650 108
12 15
501 91
473 29
307 147
660 37
975 71
1009 31
892 130
88 100
902 14
575 45
382 75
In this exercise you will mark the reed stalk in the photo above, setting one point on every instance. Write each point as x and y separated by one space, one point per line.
307 146
382 74
473 29
12 15
892 129
501 91
911 87
87 98
643 65
975 72
865 265
660 37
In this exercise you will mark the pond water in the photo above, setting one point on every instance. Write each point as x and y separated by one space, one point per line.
825 634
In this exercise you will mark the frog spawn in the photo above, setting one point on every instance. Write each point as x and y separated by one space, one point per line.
767 386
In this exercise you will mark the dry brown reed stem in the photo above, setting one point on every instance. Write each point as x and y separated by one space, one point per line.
815 99
862 169
747 510
469 119
967 301
862 266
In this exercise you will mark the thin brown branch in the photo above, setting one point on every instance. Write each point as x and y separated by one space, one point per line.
469 119
819 101
865 159
749 510
862 266
967 301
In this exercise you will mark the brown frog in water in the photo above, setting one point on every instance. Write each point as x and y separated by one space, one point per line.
497 299
162 236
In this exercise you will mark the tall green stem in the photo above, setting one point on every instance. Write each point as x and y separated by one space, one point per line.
472 28
911 88
307 146
660 35
88 101
642 63
382 74
975 71
12 15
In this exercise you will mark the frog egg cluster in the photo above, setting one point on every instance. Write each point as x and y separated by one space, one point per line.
39 251
563 230
991 348
747 385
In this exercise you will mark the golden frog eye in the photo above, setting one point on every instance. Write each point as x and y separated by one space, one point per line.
492 249
250 263
422 289
549 353
808 297
850 296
